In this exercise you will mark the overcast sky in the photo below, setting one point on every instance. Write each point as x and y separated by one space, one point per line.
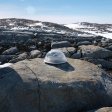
58 11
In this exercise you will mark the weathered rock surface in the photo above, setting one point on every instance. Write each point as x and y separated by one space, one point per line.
95 52
33 86
11 51
104 109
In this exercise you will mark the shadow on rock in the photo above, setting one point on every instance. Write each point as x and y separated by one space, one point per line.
67 67
16 93
8 80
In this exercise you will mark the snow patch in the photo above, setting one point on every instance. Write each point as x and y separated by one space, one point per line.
5 65
105 34
75 26
11 24
20 28
36 24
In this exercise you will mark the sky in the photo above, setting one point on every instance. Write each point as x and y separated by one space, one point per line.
58 11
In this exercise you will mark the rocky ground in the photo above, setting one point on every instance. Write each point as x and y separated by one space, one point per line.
95 50
84 84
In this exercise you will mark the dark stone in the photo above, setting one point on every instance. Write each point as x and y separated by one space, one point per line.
11 51
6 58
60 44
84 43
109 47
20 57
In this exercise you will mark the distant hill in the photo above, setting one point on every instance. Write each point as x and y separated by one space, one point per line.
82 29
15 24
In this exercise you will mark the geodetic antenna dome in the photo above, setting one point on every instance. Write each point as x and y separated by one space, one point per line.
55 57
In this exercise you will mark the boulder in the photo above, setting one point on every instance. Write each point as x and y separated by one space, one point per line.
33 86
84 43
68 51
11 51
60 44
20 57
95 52
35 54
81 39
104 109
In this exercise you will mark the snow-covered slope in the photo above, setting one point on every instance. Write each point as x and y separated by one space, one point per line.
104 30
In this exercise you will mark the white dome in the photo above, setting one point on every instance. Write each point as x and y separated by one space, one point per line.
55 57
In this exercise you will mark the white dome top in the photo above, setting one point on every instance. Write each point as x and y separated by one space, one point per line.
55 57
